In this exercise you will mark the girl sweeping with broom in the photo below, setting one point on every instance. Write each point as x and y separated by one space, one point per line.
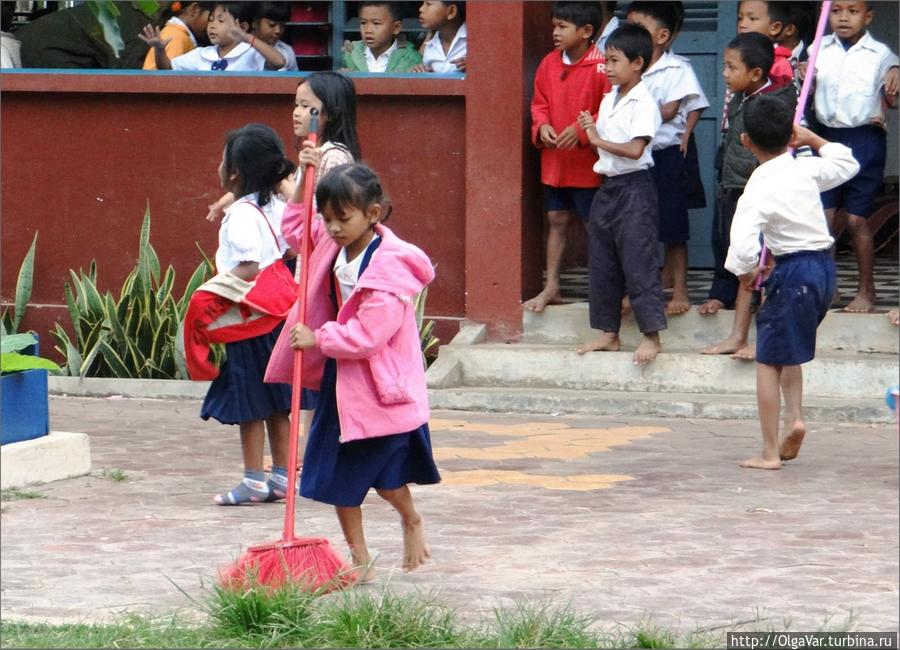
362 351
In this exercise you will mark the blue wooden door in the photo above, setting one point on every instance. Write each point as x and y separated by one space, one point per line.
708 26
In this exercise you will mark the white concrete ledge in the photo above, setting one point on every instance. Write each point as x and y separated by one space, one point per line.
56 456
142 388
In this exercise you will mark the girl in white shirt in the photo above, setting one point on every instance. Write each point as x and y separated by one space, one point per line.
253 164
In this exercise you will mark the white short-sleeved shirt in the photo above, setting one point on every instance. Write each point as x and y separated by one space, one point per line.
782 201
611 26
434 58
245 236
671 79
288 53
635 115
379 64
242 58
849 82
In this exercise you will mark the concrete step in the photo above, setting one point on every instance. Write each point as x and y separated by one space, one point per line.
849 376
839 332
640 404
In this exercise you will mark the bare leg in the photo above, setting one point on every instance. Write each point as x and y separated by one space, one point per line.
351 522
768 400
894 316
279 427
677 256
740 327
606 342
648 348
253 439
794 426
864 250
556 246
415 550
834 220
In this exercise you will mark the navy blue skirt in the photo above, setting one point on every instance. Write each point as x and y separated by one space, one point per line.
238 394
341 474
798 295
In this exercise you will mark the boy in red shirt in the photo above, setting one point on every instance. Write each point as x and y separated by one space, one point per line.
569 80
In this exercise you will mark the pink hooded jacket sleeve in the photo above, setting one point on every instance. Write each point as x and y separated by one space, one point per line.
292 226
378 319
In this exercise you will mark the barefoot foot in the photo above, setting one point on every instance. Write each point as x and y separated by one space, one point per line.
790 446
647 350
745 353
711 306
678 305
729 346
761 463
549 296
893 316
607 341
862 304
415 551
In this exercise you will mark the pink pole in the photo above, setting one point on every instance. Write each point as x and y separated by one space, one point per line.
801 102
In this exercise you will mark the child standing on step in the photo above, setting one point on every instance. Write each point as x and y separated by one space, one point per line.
622 234
253 164
362 335
781 201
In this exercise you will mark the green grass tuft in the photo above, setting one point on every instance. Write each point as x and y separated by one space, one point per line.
541 625
116 475
18 495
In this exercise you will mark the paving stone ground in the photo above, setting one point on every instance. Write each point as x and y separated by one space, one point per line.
623 518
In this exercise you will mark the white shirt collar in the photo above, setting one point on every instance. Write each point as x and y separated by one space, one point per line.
866 41
175 20
798 50
460 33
371 58
211 53
667 60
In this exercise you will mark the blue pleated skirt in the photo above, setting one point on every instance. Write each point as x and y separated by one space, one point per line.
238 394
341 474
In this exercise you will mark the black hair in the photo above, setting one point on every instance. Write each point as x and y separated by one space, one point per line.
799 14
679 17
243 12
392 7
256 153
756 51
580 14
633 41
279 12
663 13
768 122
168 12
349 186
338 97
7 14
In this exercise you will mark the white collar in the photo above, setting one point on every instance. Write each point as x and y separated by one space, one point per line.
866 41
175 20
773 165
667 60
460 33
387 53
211 53
798 50
632 95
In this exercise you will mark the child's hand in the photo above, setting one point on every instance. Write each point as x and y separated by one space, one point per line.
892 81
801 70
152 37
748 280
460 64
547 136
302 337
568 139
234 29
419 67
586 122
683 145
310 155
217 209
803 137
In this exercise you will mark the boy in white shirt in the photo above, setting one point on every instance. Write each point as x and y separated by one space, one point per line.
269 25
856 76
674 86
446 50
624 213
781 200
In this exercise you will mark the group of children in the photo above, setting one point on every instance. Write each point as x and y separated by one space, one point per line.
246 36
637 136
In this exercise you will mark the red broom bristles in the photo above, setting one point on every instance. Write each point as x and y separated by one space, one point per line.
310 562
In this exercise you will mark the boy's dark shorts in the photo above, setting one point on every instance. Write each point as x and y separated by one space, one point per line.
576 200
670 173
869 146
798 294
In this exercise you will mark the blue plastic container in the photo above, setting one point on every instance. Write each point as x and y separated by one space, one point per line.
24 405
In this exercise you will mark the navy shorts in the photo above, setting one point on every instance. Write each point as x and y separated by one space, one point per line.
798 294
670 173
576 200
869 146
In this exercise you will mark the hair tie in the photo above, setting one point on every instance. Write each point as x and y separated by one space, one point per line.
175 7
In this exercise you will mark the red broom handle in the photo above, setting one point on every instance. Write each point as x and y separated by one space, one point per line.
309 177
801 104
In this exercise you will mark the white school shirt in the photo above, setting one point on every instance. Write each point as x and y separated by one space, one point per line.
434 58
347 273
379 64
288 53
782 201
636 115
849 82
671 79
611 26
242 58
245 237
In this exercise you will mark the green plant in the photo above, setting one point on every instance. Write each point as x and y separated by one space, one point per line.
12 360
116 475
106 11
427 339
136 335
9 322
19 495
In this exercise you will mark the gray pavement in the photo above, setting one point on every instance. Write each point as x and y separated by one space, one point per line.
623 518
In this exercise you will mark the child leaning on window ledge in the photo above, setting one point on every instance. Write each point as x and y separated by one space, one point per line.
233 47
269 25
380 50
445 51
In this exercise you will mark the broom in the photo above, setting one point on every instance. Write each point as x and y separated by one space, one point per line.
309 561
801 105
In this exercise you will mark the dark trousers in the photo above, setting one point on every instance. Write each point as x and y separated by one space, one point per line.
622 241
725 284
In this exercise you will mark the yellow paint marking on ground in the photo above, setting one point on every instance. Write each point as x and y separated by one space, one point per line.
534 440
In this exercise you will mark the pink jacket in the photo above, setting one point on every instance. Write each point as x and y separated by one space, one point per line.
380 373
